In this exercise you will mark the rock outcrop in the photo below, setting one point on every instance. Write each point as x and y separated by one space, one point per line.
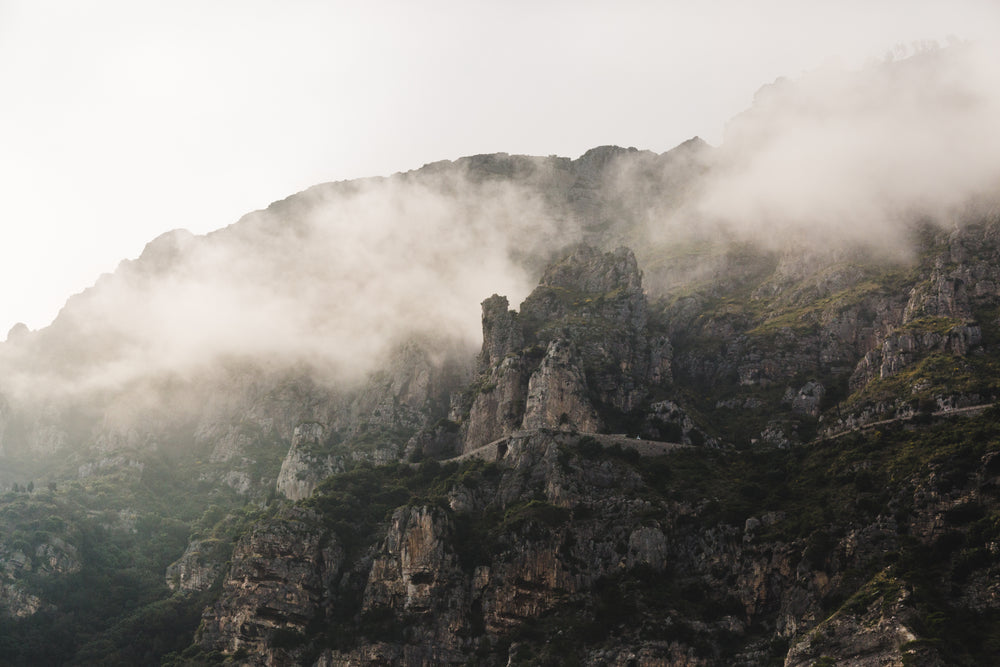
876 634
580 346
303 469
554 550
279 576
17 602
199 567
558 393
49 559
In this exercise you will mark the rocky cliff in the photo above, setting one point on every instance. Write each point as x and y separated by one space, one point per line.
563 550
580 346
555 544
631 507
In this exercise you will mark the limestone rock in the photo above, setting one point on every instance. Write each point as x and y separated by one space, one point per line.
199 566
417 576
647 546
502 334
17 602
279 575
413 561
581 344
588 270
548 531
302 470
557 393
875 635
498 407
807 400
899 350
56 556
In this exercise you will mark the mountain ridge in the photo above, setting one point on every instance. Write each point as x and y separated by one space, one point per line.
291 441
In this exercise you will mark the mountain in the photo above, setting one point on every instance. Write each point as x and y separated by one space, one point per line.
623 409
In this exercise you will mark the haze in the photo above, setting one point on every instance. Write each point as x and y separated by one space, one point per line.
122 120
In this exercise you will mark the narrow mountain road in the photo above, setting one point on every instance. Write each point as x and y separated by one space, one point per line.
492 451
972 409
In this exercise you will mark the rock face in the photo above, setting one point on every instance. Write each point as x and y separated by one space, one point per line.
413 560
400 410
49 559
580 345
805 330
199 567
273 589
302 471
875 636
554 551
900 350
557 393
595 300
415 574
456 590
552 544
502 334
17 602
498 405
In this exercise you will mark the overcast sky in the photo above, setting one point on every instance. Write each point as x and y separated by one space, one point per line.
120 120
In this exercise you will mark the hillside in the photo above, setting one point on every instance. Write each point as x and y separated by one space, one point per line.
522 410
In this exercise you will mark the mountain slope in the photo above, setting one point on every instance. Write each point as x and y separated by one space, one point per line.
713 419
547 546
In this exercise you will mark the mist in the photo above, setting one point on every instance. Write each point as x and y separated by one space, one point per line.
839 157
335 278
332 279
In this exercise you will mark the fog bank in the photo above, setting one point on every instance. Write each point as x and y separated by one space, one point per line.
840 156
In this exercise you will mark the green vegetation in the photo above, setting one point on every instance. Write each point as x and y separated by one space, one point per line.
936 374
357 503
816 493
112 534
884 586
115 599
823 490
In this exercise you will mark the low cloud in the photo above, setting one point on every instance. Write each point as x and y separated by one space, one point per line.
840 156
333 278
336 277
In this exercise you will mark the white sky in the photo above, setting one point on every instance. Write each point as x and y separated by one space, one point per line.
122 119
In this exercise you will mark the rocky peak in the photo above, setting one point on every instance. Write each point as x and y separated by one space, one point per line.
694 145
18 332
597 159
303 470
587 269
580 346
557 393
502 333
591 292
165 251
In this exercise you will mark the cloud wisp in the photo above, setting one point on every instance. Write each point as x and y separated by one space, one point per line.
333 278
853 157
336 277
